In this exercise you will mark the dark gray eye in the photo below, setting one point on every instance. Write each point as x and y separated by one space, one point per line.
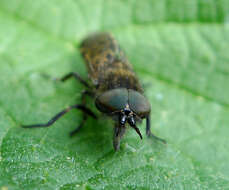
112 100
138 103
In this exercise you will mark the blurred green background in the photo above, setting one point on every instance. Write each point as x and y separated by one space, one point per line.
180 51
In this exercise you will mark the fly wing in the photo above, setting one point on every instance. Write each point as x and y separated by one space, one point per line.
99 52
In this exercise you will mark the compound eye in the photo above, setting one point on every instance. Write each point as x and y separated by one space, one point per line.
138 103
112 100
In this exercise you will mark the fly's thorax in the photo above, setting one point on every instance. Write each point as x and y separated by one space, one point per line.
114 78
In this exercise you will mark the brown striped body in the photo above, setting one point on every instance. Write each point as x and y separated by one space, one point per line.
107 65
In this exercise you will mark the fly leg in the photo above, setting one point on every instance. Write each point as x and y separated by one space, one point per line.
60 114
76 76
77 129
83 96
149 133
85 116
118 134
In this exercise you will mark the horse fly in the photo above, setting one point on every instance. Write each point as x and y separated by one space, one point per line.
113 85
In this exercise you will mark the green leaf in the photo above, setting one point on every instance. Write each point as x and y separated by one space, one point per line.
179 50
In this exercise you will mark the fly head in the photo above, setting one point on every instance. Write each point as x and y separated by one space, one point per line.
125 105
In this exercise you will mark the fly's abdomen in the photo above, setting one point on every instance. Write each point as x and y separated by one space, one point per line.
107 65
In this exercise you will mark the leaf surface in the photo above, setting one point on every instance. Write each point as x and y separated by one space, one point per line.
179 49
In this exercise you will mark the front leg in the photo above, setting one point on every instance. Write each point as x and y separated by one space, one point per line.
149 133
118 134
75 76
62 113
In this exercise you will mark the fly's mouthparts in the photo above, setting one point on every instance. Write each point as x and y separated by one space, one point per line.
123 119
